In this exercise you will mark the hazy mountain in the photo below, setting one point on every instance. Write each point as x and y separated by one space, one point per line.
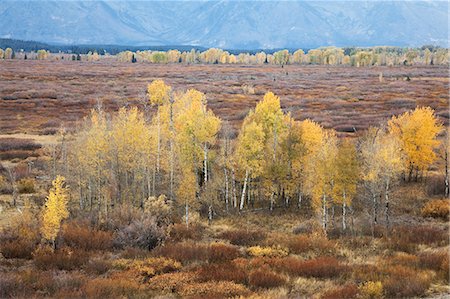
228 24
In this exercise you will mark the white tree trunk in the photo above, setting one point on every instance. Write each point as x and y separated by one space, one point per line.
241 205
205 163
226 187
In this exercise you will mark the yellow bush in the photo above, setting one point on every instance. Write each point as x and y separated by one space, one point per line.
371 289
148 267
437 208
274 251
214 289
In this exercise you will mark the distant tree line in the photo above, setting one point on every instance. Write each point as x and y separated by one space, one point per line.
427 55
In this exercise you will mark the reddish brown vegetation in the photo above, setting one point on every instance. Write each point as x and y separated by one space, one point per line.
243 237
72 88
80 235
347 291
265 278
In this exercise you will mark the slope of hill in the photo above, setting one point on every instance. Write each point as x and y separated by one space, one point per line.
228 24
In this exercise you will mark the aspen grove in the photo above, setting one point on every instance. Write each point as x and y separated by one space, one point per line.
190 156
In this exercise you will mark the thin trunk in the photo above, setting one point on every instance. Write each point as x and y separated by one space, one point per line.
446 174
226 188
271 201
172 162
324 213
233 187
386 195
205 163
158 154
187 213
210 214
299 198
344 212
241 205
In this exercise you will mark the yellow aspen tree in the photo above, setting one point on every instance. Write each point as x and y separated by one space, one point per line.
196 130
130 140
91 155
417 131
312 137
269 115
250 152
55 209
159 94
322 177
292 151
347 174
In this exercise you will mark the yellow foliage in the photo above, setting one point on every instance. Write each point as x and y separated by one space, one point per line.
158 92
147 267
371 289
275 251
417 131
55 209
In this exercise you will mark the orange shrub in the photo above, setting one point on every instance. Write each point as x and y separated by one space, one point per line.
222 272
437 208
62 259
222 289
347 291
183 252
219 252
81 236
313 242
266 278
243 237
405 282
322 267
171 282
111 288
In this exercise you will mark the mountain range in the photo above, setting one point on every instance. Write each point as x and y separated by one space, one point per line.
228 24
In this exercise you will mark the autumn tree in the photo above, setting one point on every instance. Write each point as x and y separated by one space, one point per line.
196 130
382 164
417 131
55 210
347 175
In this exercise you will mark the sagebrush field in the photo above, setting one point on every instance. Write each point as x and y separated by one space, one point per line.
137 180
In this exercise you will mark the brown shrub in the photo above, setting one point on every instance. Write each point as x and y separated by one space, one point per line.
219 252
26 185
18 248
10 286
224 271
134 253
183 252
179 232
111 288
437 208
406 238
143 233
404 259
405 282
7 144
81 236
346 291
62 259
243 237
97 266
266 278
366 272
436 261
